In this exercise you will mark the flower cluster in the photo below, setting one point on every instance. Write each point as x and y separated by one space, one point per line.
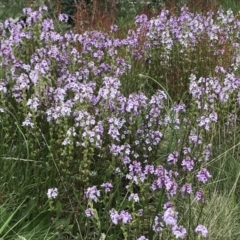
70 88
123 217
186 30
92 193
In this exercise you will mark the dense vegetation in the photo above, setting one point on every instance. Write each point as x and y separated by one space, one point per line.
120 123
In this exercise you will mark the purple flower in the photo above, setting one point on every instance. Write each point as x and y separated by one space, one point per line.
124 216
186 188
186 150
213 116
204 121
135 167
33 103
201 230
171 187
107 187
133 197
114 28
63 17
92 193
167 205
27 11
141 19
195 138
52 193
180 108
157 225
173 158
116 150
27 121
207 152
199 196
179 231
203 175
89 212
187 164
115 217
170 217
142 238
47 25
149 169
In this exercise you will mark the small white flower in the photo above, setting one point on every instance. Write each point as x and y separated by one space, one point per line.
52 193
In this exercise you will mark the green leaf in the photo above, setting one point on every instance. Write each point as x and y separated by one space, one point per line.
58 207
5 225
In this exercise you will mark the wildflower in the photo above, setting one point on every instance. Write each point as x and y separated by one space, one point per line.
199 196
201 230
207 152
213 116
180 108
173 158
187 164
158 225
124 216
114 216
27 122
63 17
170 217
92 193
203 175
142 238
47 25
141 19
186 188
204 121
52 193
179 231
171 187
186 150
114 28
149 169
134 197
195 138
89 212
167 205
107 187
